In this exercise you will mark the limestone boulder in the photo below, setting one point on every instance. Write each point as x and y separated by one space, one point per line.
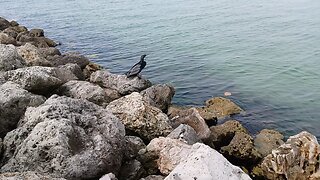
159 96
14 23
185 133
190 117
68 138
11 31
9 58
39 79
32 55
267 140
36 33
7 39
120 83
218 107
4 24
28 175
133 145
241 150
206 163
85 90
74 58
139 117
298 158
222 134
13 102
91 68
50 51
131 170
74 68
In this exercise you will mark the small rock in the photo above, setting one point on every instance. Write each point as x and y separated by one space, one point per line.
120 83
222 134
153 177
298 158
109 176
74 58
138 116
204 163
14 23
50 51
217 108
85 90
131 170
32 56
28 175
36 33
133 145
74 68
159 96
9 58
267 140
185 133
13 102
241 150
6 39
190 117
4 24
91 68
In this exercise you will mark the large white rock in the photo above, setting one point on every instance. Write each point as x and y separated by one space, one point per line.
205 163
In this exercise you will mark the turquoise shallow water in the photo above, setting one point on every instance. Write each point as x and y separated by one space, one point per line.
265 52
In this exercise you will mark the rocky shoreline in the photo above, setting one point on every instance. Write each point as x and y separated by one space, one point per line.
65 117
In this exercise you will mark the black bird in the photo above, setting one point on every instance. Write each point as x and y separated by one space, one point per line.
137 68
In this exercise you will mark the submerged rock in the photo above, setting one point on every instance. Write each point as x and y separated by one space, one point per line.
28 175
206 163
69 138
159 96
267 140
13 102
185 133
298 158
120 83
32 56
139 117
9 58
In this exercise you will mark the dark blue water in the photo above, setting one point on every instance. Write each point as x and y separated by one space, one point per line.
266 53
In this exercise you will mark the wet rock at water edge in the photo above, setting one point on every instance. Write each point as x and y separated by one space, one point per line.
267 140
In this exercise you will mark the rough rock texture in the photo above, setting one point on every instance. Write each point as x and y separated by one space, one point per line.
7 39
138 116
298 158
32 56
36 33
0 148
218 107
85 90
120 83
153 177
109 176
190 117
29 175
159 96
91 68
11 32
153 160
205 163
69 138
133 145
13 102
74 58
74 68
222 134
131 170
40 79
9 58
50 51
267 140
241 149
185 133
4 23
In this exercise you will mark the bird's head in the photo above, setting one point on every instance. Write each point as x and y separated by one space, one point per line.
142 57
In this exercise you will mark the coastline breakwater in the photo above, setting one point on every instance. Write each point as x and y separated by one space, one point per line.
65 117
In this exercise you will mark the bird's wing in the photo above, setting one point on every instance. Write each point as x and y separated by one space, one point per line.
134 70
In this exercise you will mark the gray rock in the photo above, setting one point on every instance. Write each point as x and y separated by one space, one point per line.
153 177
190 117
85 90
133 145
14 23
75 69
0 148
185 133
50 51
69 138
11 31
36 33
205 163
267 140
120 83
9 58
7 39
38 79
74 58
32 56
159 96
4 24
29 175
13 102
131 170
138 116
91 68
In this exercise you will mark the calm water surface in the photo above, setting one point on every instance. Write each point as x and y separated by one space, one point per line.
265 52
